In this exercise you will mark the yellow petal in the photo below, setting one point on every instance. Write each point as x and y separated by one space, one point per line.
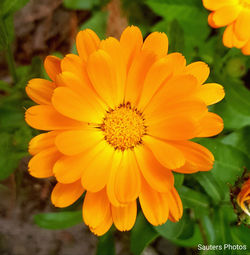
76 141
52 66
96 206
95 175
159 178
87 42
242 25
64 195
40 90
156 42
42 142
198 158
41 165
215 5
45 117
131 40
226 15
175 205
124 217
169 156
154 205
246 48
211 124
211 93
75 106
199 70
127 179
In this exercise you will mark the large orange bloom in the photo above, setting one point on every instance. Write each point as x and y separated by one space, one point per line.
243 198
235 14
120 116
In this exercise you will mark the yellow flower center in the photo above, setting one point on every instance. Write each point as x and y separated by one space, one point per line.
123 127
245 3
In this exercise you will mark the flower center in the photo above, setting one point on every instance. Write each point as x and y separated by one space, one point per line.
123 127
245 3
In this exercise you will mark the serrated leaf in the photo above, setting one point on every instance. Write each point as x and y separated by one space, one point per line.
142 235
58 220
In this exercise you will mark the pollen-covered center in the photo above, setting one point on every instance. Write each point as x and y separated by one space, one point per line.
123 127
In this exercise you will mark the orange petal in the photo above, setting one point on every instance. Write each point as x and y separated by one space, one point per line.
211 124
116 52
178 61
156 42
102 74
124 217
95 175
128 175
69 169
96 206
165 153
199 70
246 48
198 158
177 127
215 5
87 42
75 106
64 195
42 142
154 205
76 141
226 15
137 75
41 165
175 205
211 93
159 178
45 117
131 40
52 66
211 21
40 90
242 25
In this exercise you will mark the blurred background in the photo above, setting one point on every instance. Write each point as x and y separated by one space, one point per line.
32 29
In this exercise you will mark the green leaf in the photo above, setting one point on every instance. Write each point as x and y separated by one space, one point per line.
241 235
6 31
142 235
58 220
208 227
80 4
210 185
98 23
106 244
178 179
9 7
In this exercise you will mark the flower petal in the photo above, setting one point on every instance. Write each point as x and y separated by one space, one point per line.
211 93
169 156
76 141
64 195
41 165
45 117
211 124
52 66
124 217
199 70
87 42
159 178
95 175
156 42
175 205
242 24
42 142
215 5
96 206
154 205
40 90
246 48
76 106
198 158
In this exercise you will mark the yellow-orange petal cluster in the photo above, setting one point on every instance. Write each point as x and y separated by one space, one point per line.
119 118
243 198
235 15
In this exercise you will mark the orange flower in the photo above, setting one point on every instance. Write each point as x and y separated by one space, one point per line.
243 198
235 14
120 116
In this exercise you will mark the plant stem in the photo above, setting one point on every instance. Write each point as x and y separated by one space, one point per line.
11 63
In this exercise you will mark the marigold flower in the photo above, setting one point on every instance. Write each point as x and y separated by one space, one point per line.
235 15
120 116
243 198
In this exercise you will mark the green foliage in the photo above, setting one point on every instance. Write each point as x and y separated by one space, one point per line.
80 5
106 244
58 220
